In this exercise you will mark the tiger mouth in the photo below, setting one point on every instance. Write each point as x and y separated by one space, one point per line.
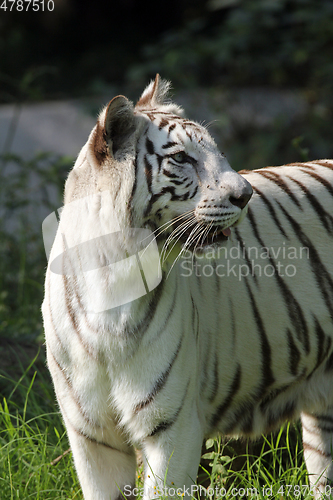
215 235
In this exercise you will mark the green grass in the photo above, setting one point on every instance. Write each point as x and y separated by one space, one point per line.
273 469
32 438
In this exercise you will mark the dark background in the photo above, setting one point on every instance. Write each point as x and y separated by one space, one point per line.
82 46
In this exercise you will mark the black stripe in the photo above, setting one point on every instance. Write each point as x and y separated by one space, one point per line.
169 316
294 309
70 289
178 183
324 418
160 159
169 144
140 328
323 163
150 146
59 341
204 374
277 179
271 211
85 436
222 408
307 446
71 390
171 190
318 428
325 428
266 356
160 383
247 423
189 159
245 254
171 116
294 354
130 201
194 193
271 396
323 344
171 128
233 323
148 172
215 383
322 276
100 443
163 123
195 318
151 116
320 179
329 363
243 418
324 217
165 425
171 175
275 418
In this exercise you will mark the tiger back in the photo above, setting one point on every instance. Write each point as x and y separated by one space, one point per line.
236 337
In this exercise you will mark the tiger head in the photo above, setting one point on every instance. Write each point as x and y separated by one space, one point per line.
165 172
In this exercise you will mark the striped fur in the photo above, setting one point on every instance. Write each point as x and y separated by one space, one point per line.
231 341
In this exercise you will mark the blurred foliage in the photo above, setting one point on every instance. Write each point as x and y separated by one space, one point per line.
283 141
247 42
80 49
25 194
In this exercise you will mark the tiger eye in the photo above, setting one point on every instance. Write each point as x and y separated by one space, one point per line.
179 157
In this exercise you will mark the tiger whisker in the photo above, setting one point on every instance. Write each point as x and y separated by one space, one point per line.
170 223
176 230
202 231
190 238
181 230
214 234
183 249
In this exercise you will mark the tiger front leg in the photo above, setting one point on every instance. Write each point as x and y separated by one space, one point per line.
318 451
171 458
105 472
104 461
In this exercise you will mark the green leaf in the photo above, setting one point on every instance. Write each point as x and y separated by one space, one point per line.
209 443
209 456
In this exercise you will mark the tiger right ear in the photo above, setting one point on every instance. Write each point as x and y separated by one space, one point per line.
119 124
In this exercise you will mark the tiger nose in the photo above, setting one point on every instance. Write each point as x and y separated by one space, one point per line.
242 200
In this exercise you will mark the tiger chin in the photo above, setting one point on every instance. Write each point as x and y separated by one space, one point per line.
237 347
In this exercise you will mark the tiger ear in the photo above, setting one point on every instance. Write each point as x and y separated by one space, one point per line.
155 94
119 124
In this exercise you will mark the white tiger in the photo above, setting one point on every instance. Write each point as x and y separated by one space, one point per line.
236 338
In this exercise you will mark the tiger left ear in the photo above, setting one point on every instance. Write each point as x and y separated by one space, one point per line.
119 124
156 93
